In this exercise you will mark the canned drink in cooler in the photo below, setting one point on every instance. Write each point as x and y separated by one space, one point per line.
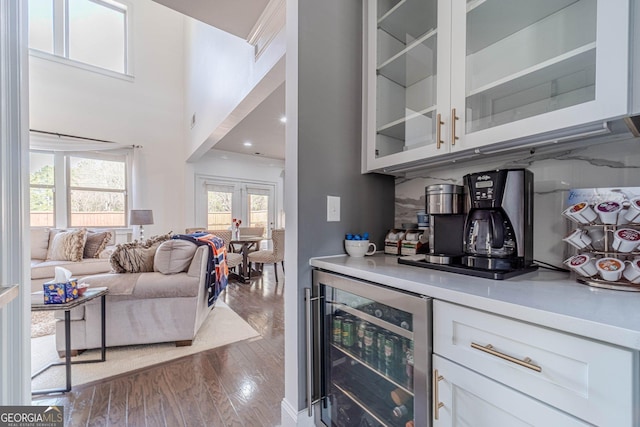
391 353
369 343
381 337
337 329
348 332
362 325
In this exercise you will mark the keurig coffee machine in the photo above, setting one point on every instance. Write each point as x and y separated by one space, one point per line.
495 235
498 232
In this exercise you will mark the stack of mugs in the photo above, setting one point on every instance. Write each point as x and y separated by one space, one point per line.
608 240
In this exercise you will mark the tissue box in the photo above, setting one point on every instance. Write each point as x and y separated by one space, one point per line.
60 293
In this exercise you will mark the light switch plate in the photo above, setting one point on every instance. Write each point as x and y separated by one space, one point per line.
333 208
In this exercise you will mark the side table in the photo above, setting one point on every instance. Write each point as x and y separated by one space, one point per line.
37 304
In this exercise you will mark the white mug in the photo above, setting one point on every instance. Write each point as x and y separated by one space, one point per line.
359 248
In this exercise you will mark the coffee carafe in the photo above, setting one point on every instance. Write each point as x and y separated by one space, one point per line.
498 232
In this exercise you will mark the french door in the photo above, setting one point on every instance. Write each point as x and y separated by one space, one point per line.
252 203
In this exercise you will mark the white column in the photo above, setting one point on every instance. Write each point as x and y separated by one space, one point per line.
15 348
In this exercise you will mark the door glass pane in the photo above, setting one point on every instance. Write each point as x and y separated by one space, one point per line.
97 34
406 68
505 82
41 180
259 211
41 25
368 374
219 205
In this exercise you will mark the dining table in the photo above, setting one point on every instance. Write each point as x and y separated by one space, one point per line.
243 245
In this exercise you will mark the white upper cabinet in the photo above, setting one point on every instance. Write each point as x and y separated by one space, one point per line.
452 75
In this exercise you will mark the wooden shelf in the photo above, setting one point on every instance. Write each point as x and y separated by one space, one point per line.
411 18
410 66
491 21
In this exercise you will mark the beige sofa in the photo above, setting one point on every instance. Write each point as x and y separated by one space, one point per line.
166 305
42 269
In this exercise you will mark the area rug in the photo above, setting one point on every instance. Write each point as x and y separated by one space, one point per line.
223 326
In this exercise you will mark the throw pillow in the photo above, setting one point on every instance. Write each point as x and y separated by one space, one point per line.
174 256
136 257
95 244
67 245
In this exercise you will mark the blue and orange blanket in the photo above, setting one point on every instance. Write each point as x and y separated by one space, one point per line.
217 269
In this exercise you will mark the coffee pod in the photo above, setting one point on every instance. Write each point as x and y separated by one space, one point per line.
579 239
610 268
632 271
626 240
597 238
608 211
583 264
633 214
581 213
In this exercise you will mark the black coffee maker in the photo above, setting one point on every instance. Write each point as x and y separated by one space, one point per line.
498 232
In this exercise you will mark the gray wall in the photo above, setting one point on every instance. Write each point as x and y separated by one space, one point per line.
329 141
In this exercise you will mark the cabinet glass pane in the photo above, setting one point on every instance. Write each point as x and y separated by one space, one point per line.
369 370
505 82
406 69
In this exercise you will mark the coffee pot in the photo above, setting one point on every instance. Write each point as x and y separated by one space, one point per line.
498 233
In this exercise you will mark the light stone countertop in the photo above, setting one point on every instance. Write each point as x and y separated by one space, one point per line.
544 297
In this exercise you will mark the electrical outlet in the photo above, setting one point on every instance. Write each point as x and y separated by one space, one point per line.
333 209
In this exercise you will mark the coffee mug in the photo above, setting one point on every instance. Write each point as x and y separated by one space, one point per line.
359 248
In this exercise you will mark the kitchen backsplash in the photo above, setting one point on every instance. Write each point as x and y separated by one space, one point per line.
614 164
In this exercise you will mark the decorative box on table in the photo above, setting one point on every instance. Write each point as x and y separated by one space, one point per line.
60 293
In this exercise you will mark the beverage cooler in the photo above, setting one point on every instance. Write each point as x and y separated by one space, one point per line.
368 354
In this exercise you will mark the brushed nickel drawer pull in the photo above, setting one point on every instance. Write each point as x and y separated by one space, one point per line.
439 124
436 400
526 362
454 119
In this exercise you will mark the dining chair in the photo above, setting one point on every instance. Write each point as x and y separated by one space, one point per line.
274 256
233 259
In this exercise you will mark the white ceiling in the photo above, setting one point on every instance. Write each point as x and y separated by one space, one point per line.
262 126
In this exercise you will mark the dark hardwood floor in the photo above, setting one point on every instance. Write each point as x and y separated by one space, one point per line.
240 384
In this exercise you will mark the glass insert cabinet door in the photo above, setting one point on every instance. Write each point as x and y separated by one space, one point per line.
403 65
375 351
523 66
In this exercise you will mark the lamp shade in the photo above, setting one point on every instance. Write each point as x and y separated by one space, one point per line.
141 217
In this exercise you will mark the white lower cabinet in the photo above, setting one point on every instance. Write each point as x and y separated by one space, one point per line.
462 397
586 379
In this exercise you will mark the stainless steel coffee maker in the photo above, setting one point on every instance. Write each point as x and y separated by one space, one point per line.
498 233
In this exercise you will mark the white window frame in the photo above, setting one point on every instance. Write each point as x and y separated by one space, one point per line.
62 199
46 186
61 39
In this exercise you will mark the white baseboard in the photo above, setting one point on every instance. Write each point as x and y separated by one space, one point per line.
290 417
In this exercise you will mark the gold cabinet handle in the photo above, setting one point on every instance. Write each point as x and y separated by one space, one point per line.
526 362
436 400
439 140
454 118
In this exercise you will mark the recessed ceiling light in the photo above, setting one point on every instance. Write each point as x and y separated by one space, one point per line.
247 144
283 119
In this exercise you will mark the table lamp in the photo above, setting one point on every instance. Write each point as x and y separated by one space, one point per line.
141 217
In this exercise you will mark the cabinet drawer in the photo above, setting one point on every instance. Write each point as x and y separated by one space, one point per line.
588 379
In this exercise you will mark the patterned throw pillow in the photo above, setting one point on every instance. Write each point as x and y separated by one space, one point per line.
136 257
96 242
67 245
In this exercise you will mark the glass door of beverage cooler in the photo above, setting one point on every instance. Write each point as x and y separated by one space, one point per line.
375 346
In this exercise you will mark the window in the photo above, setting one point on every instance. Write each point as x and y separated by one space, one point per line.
93 32
41 190
219 207
88 191
258 208
97 193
